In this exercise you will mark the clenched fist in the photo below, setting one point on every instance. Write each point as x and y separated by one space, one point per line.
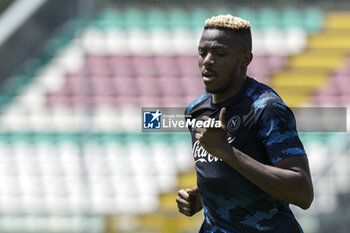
189 201
214 140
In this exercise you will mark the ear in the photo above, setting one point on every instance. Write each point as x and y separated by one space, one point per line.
246 59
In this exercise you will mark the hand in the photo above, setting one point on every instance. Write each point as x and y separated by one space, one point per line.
214 140
189 201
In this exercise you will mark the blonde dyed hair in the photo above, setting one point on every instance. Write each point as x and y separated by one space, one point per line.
227 21
237 25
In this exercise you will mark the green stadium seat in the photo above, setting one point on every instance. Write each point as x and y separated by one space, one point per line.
134 18
134 137
69 137
327 139
5 99
31 66
84 139
222 11
157 19
248 14
4 138
291 17
179 19
178 137
43 137
19 137
152 138
14 84
198 17
268 18
113 138
313 19
53 45
110 18
70 28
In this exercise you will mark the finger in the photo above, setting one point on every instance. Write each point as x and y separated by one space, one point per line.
222 118
181 206
183 194
186 208
193 192
186 212
201 130
205 118
190 191
189 208
183 203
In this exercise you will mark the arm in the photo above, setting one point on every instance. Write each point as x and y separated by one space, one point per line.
288 180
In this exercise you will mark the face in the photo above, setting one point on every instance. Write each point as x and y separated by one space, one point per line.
221 61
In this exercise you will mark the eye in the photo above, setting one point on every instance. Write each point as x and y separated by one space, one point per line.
202 53
221 53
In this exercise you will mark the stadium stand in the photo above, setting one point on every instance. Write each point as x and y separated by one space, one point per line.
70 148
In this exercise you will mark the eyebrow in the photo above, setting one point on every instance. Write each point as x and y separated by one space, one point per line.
214 47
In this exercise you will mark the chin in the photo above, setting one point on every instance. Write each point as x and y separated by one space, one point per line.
213 91
210 91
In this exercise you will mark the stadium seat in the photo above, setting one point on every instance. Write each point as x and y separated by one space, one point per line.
122 66
139 42
268 18
161 42
144 66
337 20
110 18
188 66
116 42
134 18
167 66
313 19
291 17
197 17
148 86
248 14
157 19
178 18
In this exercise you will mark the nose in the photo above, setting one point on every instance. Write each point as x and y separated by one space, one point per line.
208 59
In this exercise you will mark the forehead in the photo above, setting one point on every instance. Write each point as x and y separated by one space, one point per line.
216 37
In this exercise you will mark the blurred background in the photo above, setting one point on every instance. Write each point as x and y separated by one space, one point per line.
74 75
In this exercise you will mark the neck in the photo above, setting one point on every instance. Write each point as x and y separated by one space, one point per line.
232 90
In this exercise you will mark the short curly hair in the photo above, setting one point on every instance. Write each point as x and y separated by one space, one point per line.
227 21
234 24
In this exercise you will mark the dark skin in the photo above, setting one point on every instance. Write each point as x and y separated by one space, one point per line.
223 63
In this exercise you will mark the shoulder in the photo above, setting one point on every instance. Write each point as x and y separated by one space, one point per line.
272 114
197 102
267 101
260 93
267 104
263 97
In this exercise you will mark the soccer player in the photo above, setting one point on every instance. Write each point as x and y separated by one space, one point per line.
254 166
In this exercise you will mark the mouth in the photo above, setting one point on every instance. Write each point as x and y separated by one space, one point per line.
209 76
